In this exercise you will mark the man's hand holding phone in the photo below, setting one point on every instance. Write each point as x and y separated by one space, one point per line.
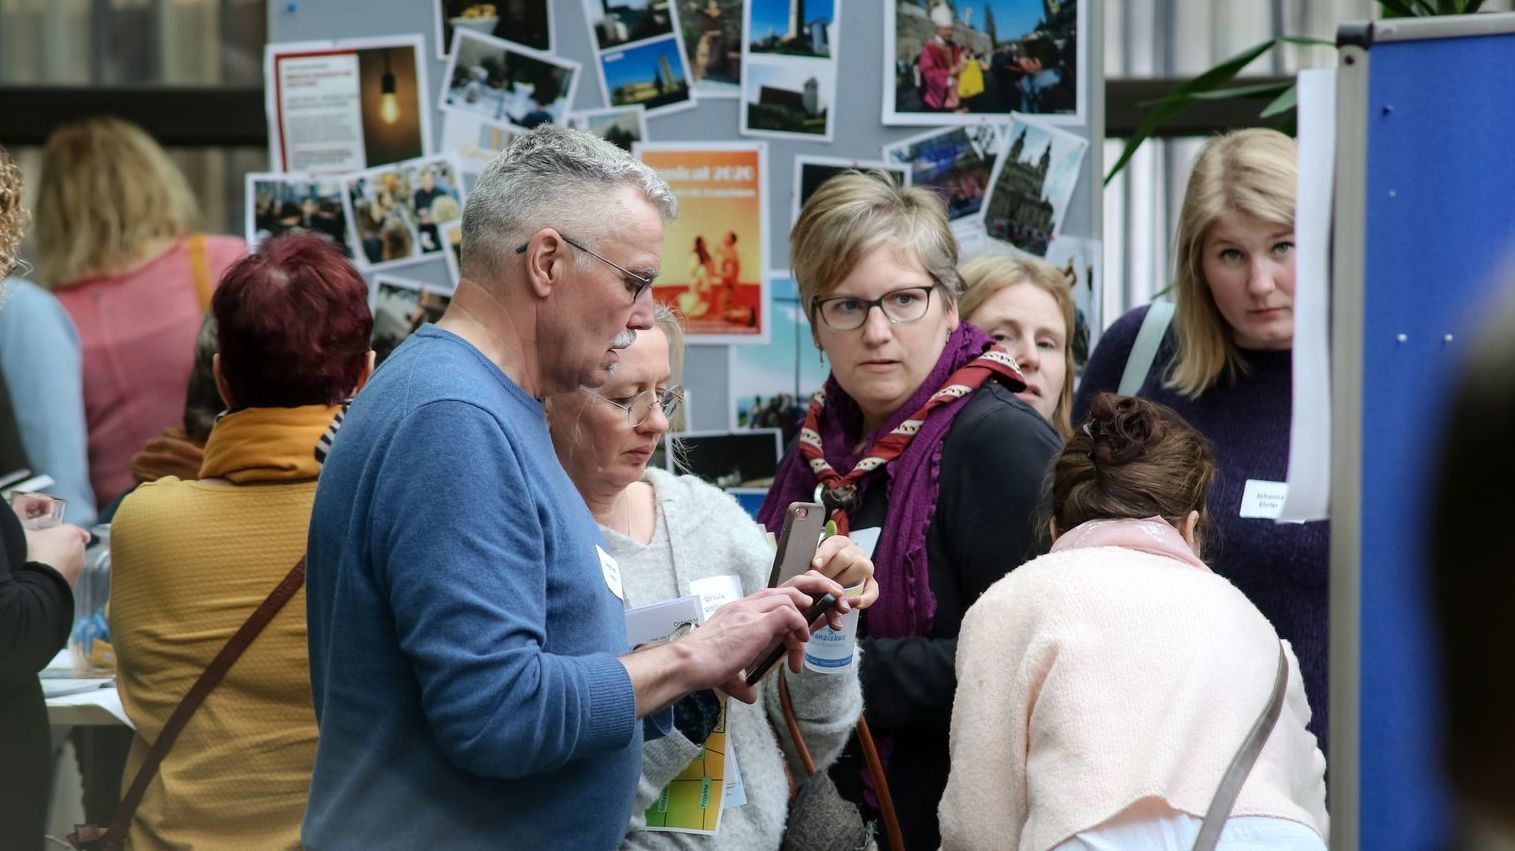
720 652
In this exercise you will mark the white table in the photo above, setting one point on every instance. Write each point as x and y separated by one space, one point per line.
80 701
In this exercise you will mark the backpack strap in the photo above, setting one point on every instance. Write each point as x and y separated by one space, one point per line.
1144 350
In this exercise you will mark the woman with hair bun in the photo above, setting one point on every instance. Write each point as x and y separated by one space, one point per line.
1225 364
1104 688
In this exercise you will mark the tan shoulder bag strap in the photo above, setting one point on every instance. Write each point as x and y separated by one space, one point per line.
199 268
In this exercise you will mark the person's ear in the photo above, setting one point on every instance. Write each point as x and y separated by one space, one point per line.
545 255
365 373
1188 528
1052 528
221 386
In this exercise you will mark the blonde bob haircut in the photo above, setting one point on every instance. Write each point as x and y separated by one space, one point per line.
854 212
1251 172
983 277
107 192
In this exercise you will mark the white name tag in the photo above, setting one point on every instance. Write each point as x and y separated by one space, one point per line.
715 592
612 571
1263 500
866 539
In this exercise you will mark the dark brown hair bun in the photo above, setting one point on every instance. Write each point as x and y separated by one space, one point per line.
1131 459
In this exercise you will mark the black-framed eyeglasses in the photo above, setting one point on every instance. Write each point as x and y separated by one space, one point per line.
849 312
635 284
639 407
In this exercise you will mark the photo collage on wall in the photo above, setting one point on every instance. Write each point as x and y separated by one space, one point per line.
983 102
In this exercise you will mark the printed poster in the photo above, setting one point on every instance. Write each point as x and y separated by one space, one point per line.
713 255
341 106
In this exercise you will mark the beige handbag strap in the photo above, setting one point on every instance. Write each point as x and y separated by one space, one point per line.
1241 764
199 269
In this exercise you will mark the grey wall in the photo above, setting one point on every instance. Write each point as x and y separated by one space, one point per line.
858 131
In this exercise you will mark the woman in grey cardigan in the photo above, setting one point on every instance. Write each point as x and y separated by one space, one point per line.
670 532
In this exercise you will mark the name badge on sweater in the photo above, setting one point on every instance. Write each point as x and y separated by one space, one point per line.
612 571
1263 500
715 592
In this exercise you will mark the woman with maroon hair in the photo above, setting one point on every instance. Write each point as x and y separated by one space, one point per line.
193 559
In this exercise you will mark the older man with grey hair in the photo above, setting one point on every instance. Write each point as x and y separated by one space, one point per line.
468 652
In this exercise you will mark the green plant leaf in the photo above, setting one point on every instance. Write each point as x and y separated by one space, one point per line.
1283 103
1397 9
1257 90
1181 98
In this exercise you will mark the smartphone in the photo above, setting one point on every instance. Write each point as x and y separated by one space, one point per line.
817 610
803 523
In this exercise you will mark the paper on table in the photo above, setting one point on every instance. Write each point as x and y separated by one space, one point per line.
1309 477
106 698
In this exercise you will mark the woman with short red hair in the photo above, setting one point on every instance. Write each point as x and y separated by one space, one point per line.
193 559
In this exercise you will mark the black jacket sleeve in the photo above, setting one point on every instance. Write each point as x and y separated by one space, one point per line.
36 609
993 469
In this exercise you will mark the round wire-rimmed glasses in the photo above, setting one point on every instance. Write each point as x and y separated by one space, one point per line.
639 407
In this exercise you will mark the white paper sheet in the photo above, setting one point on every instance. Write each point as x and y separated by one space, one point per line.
1310 432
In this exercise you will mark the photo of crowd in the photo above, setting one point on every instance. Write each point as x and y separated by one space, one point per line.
949 66
400 307
279 203
397 211
507 84
955 162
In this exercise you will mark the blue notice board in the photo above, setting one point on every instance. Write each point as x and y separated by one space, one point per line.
1428 107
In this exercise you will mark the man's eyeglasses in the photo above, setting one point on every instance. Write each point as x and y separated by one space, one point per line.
635 284
639 407
849 313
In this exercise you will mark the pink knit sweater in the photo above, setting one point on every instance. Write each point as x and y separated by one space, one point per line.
1094 677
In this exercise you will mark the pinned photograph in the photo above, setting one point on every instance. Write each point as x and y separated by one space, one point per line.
506 84
280 203
955 163
651 75
713 45
726 459
961 62
1082 261
618 22
713 271
527 22
811 171
340 106
792 27
397 211
452 240
622 126
771 385
1031 185
474 141
400 307
788 98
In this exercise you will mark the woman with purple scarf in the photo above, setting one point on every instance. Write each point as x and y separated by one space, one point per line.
918 442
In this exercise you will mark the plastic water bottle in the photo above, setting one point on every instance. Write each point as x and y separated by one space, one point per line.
89 641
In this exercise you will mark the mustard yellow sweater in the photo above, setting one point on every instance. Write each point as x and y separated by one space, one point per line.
190 562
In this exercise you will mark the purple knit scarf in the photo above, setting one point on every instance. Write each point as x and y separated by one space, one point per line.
905 605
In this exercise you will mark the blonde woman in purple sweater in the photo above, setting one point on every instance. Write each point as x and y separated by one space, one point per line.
1225 365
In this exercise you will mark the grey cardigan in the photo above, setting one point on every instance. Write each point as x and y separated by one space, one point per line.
709 534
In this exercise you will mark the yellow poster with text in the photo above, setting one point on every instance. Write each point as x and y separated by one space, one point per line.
714 268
